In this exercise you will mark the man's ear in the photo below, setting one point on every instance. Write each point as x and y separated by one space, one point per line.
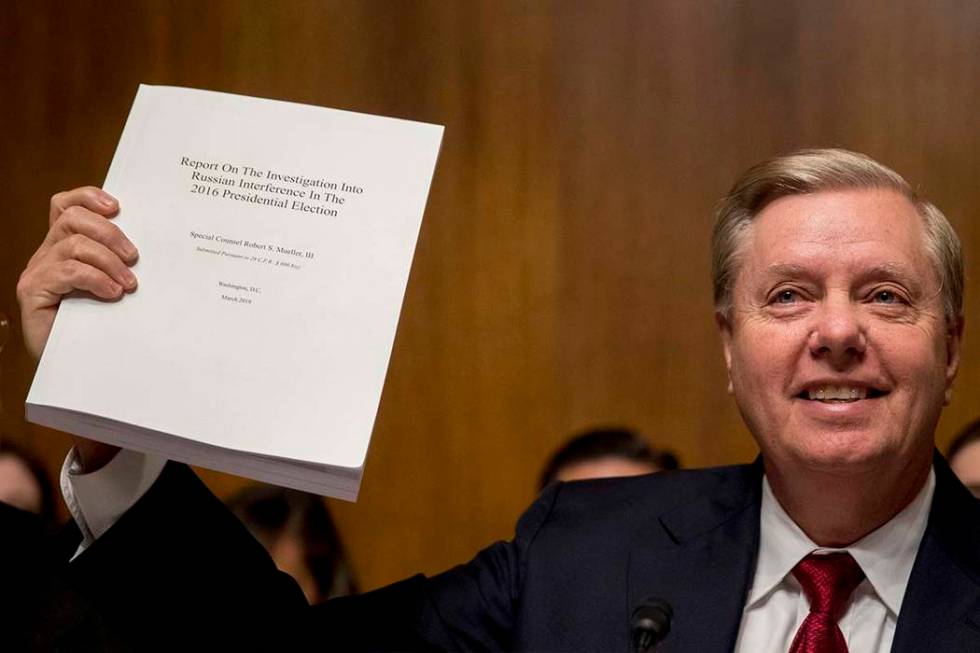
725 330
954 339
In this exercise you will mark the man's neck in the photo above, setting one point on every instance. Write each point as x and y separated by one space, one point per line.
835 509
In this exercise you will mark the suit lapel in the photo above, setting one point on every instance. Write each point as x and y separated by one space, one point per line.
941 609
704 574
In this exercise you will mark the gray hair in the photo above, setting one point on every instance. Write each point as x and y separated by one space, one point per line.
811 171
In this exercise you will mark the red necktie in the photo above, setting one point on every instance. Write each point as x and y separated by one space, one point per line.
828 581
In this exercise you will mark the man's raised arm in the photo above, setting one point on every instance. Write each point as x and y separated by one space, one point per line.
166 565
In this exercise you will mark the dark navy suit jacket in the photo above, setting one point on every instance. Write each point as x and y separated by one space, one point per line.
583 557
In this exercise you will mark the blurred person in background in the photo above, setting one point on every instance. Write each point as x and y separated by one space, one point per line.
297 530
964 456
24 483
605 453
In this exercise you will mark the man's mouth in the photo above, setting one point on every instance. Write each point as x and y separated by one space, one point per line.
840 394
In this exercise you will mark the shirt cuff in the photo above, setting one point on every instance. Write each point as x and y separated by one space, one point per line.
98 499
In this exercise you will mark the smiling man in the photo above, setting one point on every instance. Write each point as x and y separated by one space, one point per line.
839 301
839 297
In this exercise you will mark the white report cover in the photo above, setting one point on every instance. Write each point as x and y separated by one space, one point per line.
275 245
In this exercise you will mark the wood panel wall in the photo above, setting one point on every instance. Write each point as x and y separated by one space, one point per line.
561 278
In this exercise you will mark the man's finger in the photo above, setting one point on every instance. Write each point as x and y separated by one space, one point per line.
54 281
93 198
78 220
95 254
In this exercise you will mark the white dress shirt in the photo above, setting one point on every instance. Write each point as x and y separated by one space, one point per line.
776 604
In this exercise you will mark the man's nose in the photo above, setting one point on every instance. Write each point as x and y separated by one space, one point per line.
838 333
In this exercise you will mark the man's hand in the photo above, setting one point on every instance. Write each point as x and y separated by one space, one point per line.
84 251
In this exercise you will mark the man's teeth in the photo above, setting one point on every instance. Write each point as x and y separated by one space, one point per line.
837 393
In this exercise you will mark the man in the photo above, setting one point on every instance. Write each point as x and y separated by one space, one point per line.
605 453
839 301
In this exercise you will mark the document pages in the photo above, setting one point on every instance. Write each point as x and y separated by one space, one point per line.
275 244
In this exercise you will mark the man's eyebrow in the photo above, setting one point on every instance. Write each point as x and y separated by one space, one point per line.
889 270
787 270
884 271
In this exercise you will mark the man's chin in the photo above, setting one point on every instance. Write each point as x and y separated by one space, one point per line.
840 454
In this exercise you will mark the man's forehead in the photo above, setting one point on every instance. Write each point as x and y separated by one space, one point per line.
856 208
879 223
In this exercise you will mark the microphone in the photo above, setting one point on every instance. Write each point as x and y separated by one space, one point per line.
650 624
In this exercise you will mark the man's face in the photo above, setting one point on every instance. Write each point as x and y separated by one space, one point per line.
839 354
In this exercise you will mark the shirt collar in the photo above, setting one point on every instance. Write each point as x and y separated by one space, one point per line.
886 554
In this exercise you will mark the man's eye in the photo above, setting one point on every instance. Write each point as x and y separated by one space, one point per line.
886 297
785 297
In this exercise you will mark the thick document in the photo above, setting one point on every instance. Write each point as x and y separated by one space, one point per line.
275 245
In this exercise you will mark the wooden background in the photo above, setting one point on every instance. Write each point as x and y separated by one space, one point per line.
561 278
